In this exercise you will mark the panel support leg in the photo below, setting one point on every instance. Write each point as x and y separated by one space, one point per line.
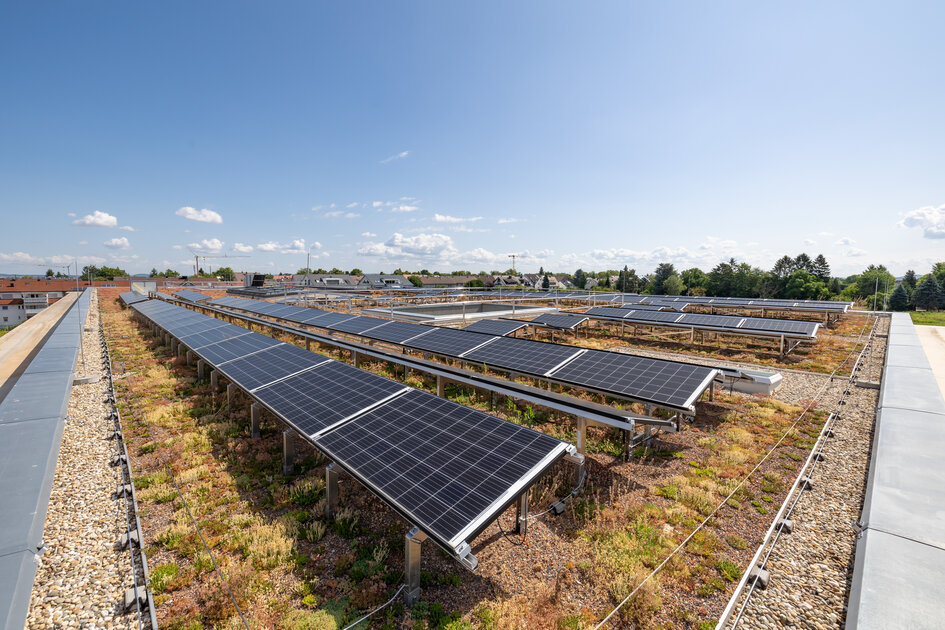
201 364
230 395
190 357
712 391
255 410
356 358
214 380
440 386
581 444
180 350
521 515
412 543
308 344
331 490
782 346
288 452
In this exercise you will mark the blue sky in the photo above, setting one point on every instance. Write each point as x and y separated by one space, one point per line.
447 136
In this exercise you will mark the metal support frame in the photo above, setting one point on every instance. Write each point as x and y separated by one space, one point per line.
288 452
190 357
521 514
201 365
255 411
214 380
440 386
230 395
331 490
180 350
412 547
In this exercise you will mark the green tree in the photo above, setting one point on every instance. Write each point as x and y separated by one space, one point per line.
154 273
783 268
695 280
928 294
580 279
899 300
475 282
673 285
874 279
803 285
657 281
835 287
545 282
909 279
415 281
226 274
803 261
821 268
938 270
49 273
356 272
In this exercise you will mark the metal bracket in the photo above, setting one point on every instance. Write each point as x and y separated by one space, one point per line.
465 556
129 537
135 596
121 491
761 576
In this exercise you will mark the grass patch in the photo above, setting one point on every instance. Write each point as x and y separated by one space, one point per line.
925 318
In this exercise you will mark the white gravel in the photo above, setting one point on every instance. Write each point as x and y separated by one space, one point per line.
82 577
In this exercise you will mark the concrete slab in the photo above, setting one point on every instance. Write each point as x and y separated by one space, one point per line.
43 395
900 584
17 572
933 342
911 388
900 355
906 476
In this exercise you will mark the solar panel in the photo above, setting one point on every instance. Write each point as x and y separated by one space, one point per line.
181 329
357 325
662 382
326 320
522 355
785 326
267 366
236 348
445 467
607 312
651 316
317 399
497 327
717 321
191 296
398 332
214 335
130 297
643 307
559 320
448 341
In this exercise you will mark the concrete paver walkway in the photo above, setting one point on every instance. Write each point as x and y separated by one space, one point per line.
933 342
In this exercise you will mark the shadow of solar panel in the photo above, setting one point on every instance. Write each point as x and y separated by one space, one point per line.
214 335
236 348
319 398
497 327
447 468
653 380
522 355
397 332
356 325
269 365
447 341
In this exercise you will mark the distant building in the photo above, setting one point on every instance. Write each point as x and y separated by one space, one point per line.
326 280
12 312
450 282
510 281
384 281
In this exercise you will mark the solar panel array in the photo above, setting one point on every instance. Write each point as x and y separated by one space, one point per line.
446 468
753 326
523 356
130 297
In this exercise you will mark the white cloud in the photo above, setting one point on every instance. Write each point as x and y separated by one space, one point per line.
117 243
70 214
404 208
333 214
855 251
97 219
353 204
177 247
368 234
846 240
123 259
377 204
127 228
297 246
824 233
396 156
19 257
317 208
421 245
83 242
445 218
204 216
809 241
929 218
508 220
243 249
207 246
351 215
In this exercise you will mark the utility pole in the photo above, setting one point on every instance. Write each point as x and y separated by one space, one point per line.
512 256
875 293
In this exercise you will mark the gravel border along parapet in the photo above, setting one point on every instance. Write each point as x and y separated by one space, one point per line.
82 577
811 568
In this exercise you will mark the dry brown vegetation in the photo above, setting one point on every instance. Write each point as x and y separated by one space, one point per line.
288 567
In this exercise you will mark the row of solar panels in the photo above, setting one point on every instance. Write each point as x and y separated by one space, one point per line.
664 383
32 419
749 325
446 468
130 297
824 305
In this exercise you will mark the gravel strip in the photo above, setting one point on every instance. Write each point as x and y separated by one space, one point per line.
811 567
82 576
